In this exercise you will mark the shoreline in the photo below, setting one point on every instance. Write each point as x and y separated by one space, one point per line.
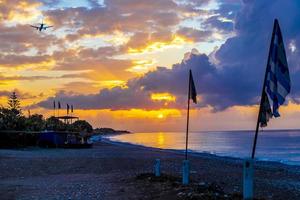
259 161
109 171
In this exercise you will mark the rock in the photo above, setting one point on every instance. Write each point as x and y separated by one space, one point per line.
202 184
180 194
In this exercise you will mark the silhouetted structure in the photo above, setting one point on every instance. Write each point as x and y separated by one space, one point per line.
67 119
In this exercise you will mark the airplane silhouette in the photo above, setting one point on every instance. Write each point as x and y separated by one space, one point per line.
41 27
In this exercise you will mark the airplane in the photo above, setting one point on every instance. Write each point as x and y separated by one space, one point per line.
41 27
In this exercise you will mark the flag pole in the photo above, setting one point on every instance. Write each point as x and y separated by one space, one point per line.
262 95
188 116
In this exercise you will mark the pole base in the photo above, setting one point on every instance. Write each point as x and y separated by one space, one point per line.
248 173
185 172
157 168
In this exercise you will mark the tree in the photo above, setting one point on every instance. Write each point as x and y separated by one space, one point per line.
35 123
52 123
11 120
82 126
14 104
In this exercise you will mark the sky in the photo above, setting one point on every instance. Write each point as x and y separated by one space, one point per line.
124 63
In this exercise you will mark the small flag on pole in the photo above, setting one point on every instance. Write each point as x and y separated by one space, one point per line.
72 109
277 79
54 106
68 108
193 92
59 107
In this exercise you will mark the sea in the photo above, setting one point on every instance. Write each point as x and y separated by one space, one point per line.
280 145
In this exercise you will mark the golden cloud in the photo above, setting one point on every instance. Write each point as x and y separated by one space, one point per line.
163 97
153 46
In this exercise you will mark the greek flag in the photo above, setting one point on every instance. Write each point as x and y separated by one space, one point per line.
277 79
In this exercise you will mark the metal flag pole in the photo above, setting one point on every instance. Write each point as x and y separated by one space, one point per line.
58 108
54 108
248 173
188 118
186 165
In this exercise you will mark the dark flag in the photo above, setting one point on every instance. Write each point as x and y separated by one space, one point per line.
192 89
68 108
192 94
72 109
59 107
54 105
277 79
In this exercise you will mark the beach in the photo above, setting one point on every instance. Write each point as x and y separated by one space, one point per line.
109 170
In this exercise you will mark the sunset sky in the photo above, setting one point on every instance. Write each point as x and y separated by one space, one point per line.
124 63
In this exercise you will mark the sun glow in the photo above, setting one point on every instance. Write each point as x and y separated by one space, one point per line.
111 84
163 97
160 116
161 139
142 66
42 65
177 41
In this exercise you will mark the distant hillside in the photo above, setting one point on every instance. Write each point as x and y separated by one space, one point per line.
104 131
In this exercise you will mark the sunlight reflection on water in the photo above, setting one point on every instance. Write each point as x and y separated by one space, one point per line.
283 146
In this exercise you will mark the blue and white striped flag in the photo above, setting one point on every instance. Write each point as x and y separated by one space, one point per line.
277 81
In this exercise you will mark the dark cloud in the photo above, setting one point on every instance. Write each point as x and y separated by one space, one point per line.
235 80
216 22
247 52
195 34
20 38
114 99
215 86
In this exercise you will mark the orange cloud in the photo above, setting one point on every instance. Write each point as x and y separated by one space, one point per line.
163 97
152 46
142 66
23 12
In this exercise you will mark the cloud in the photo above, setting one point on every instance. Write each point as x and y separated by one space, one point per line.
21 95
84 38
195 34
35 78
235 80
115 99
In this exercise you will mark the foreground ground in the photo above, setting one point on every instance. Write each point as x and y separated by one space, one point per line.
110 171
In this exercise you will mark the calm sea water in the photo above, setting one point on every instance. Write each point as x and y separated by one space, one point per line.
282 146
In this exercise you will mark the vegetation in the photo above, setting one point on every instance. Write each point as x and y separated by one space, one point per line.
104 131
82 125
12 119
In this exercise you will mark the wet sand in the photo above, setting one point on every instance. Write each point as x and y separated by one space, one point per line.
109 171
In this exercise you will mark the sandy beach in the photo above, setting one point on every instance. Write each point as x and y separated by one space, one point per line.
110 171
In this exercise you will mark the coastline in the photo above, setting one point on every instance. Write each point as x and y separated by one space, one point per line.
259 161
108 171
